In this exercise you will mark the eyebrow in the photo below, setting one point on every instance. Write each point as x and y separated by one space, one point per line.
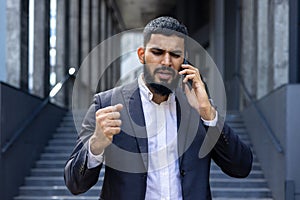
176 51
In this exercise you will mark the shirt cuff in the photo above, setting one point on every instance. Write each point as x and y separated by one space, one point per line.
211 122
93 160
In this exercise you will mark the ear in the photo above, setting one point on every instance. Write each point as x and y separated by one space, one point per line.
141 54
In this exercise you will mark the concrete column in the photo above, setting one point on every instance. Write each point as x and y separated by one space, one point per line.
2 40
116 50
73 34
61 66
248 46
95 23
85 28
85 44
281 42
87 58
73 47
41 47
217 33
103 19
108 76
263 49
13 42
95 40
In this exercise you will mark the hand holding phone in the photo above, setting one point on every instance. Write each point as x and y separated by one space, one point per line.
190 82
196 91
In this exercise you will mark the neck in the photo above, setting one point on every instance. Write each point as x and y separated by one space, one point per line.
158 98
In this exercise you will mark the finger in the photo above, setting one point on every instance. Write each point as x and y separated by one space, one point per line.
188 71
111 131
186 66
113 115
118 107
112 123
108 116
109 109
188 77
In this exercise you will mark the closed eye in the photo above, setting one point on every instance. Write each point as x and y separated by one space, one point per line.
157 52
175 55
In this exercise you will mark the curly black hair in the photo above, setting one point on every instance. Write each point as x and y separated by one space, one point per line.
164 25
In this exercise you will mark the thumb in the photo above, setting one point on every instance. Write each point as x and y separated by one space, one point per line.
118 107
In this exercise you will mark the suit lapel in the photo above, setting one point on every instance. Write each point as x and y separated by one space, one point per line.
187 124
134 118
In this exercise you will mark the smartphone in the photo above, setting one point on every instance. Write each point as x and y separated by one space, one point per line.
190 82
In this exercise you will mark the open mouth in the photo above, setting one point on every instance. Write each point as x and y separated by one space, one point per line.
163 74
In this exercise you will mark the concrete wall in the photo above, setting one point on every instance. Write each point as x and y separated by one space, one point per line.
2 40
264 45
281 110
13 42
15 107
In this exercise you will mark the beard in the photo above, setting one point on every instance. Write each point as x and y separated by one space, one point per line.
162 87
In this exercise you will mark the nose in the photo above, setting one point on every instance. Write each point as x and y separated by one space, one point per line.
167 60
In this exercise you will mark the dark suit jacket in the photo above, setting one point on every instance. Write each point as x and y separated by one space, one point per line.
126 159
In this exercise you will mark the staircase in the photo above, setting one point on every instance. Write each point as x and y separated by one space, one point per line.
254 187
46 180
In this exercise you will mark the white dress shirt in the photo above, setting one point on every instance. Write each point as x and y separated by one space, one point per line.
163 178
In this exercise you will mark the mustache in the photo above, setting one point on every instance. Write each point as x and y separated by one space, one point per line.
165 68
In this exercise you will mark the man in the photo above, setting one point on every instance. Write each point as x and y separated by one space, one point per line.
148 134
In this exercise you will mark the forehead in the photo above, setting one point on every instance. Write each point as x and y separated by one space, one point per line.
165 42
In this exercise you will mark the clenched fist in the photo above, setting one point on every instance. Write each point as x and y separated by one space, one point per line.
108 124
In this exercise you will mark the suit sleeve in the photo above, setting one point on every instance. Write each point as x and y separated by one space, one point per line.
231 154
78 178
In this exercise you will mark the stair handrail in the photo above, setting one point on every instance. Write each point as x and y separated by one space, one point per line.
72 73
265 123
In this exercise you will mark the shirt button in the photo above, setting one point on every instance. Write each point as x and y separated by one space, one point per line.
182 173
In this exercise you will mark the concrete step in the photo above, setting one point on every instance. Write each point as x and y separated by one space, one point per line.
253 174
52 172
47 172
71 197
50 181
241 192
65 129
50 164
55 156
54 190
66 135
255 165
59 142
58 149
238 183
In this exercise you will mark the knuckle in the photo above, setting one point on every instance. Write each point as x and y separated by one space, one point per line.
118 130
102 123
107 132
117 114
100 117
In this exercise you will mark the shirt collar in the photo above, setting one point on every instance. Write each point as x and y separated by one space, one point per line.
144 90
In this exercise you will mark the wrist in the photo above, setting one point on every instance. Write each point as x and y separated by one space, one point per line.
208 113
96 148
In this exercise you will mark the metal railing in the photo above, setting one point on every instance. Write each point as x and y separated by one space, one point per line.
36 112
265 123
